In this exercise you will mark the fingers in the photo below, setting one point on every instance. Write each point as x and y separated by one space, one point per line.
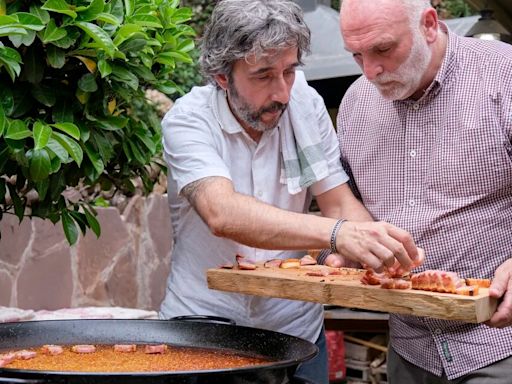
503 315
501 288
378 245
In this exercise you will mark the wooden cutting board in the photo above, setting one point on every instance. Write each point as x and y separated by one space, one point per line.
348 291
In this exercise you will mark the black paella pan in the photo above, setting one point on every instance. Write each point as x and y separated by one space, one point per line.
285 352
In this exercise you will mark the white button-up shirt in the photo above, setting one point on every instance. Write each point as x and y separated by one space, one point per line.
202 139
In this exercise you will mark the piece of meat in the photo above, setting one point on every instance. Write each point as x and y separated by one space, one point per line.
125 348
482 283
468 290
320 272
437 281
290 263
395 283
244 263
372 278
272 263
151 349
83 348
7 358
25 355
307 260
51 349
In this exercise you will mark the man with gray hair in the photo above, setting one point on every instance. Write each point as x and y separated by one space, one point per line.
246 153
426 135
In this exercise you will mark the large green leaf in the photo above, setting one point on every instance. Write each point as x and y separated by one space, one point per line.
92 11
99 36
17 130
87 83
26 40
126 31
10 59
56 57
69 227
125 76
129 6
59 6
70 145
69 128
80 220
54 146
94 157
42 14
93 222
42 134
53 33
107 18
104 67
12 30
40 165
29 21
149 21
8 20
42 188
68 40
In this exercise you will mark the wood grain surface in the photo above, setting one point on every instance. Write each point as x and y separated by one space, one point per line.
347 291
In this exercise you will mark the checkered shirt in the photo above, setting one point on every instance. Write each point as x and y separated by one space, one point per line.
441 168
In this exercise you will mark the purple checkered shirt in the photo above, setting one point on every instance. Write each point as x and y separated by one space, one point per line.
441 168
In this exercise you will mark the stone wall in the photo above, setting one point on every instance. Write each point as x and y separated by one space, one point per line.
126 266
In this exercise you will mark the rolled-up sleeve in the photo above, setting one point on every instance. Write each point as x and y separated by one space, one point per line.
190 149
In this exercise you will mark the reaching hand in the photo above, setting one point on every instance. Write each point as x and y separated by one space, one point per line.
378 245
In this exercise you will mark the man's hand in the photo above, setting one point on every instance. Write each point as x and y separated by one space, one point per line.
377 245
338 261
501 288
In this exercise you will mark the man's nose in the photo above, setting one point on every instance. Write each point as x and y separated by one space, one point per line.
372 69
281 90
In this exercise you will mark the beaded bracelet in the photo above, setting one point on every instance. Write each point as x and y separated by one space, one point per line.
322 256
334 233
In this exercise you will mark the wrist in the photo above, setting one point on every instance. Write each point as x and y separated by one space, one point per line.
334 234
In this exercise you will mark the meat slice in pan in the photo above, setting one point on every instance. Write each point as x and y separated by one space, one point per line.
83 348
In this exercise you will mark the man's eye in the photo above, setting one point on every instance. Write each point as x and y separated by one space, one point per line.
383 50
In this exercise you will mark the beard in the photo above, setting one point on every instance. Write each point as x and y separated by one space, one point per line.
405 80
251 116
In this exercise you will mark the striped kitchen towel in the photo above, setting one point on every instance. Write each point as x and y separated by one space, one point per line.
303 157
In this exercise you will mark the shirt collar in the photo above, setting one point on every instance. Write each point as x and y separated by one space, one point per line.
449 63
222 112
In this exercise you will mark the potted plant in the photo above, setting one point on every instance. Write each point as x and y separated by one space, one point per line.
73 112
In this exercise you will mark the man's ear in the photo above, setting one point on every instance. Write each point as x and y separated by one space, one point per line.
429 24
222 81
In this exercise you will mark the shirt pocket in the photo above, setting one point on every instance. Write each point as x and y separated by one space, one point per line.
473 161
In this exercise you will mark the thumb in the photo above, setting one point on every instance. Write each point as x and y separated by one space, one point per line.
498 286
333 261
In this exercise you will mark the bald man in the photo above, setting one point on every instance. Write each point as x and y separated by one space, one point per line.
426 136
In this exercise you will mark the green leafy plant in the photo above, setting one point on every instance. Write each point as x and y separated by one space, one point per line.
73 75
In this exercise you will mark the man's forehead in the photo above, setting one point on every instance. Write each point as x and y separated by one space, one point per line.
270 59
356 14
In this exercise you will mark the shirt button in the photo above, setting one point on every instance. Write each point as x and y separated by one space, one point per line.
415 106
259 193
412 153
437 331
412 203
